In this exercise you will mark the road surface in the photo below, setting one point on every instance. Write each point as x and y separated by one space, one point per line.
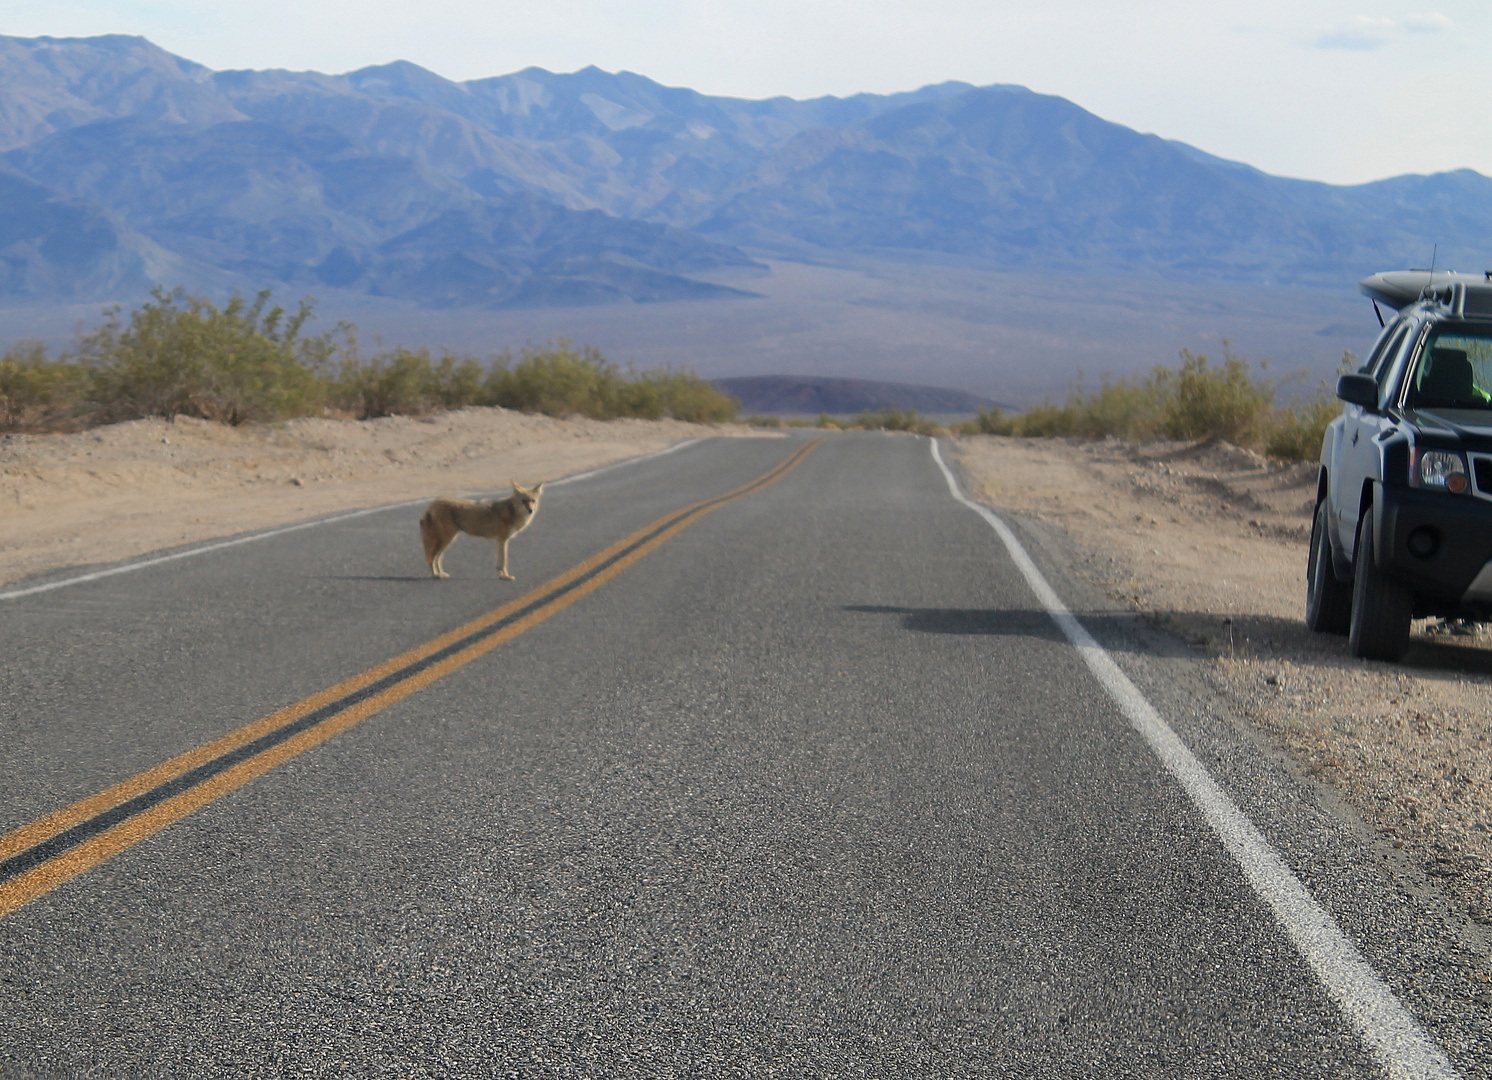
771 763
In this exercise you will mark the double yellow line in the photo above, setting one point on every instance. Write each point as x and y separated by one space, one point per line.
38 857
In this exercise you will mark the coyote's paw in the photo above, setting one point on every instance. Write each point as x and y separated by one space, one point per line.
506 577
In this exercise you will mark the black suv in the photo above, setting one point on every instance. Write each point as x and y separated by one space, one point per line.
1403 525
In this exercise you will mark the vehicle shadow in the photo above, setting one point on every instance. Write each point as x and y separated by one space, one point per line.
1114 628
1243 637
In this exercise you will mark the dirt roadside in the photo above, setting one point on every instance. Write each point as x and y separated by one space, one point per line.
1210 541
119 491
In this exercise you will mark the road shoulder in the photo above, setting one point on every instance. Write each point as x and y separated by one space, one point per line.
1162 576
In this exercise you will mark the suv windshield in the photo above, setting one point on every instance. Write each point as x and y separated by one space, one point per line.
1454 367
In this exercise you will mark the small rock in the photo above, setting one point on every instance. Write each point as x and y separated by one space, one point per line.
297 481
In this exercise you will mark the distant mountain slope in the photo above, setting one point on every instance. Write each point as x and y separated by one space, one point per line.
1029 180
537 188
769 394
311 182
308 205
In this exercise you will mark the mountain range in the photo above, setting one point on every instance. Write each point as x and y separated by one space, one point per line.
122 166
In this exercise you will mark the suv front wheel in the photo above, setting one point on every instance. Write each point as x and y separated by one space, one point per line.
1328 601
1381 608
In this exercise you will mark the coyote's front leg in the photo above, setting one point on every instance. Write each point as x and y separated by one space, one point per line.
502 560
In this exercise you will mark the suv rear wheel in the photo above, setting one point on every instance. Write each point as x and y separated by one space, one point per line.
1381 609
1328 601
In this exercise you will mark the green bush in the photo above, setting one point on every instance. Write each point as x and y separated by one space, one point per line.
992 421
894 419
1048 421
1296 434
681 395
405 382
184 356
180 355
456 382
560 380
37 394
1198 400
557 381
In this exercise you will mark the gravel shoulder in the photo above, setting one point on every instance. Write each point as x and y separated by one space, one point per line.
1209 541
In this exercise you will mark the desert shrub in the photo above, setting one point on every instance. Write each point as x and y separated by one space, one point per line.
1296 434
681 395
183 355
894 419
1047 421
405 382
456 381
991 421
558 381
38 394
1124 408
561 380
1197 400
1201 402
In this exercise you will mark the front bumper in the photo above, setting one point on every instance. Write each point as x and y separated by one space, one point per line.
1459 569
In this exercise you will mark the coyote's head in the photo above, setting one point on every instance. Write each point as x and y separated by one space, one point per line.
528 498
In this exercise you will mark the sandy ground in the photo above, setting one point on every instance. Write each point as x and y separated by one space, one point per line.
115 492
1210 541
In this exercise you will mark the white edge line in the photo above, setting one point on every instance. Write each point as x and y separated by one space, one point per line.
1400 1045
15 594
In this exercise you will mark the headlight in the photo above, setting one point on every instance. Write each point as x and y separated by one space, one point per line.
1439 470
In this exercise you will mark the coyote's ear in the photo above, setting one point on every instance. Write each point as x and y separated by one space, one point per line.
514 483
539 488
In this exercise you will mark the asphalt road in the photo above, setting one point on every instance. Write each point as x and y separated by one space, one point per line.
809 786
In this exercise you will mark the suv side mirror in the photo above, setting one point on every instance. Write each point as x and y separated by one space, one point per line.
1359 390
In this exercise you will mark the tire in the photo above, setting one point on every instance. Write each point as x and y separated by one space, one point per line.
1381 609
1328 601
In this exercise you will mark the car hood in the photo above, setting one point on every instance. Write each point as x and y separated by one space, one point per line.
1472 426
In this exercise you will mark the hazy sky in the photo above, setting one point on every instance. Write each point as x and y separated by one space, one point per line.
1343 91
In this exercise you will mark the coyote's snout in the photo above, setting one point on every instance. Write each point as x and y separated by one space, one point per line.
499 519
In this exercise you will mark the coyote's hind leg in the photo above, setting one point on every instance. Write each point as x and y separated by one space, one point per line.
436 547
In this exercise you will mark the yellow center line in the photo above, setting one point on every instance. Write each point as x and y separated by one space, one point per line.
75 860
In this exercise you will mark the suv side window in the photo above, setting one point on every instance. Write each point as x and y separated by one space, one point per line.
1388 363
1386 346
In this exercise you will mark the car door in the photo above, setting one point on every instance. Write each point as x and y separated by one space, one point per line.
1357 448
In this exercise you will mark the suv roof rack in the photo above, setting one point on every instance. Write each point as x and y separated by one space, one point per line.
1466 295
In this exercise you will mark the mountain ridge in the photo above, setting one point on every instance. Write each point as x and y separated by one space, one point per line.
594 187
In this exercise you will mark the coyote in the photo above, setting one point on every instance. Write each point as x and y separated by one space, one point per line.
499 520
